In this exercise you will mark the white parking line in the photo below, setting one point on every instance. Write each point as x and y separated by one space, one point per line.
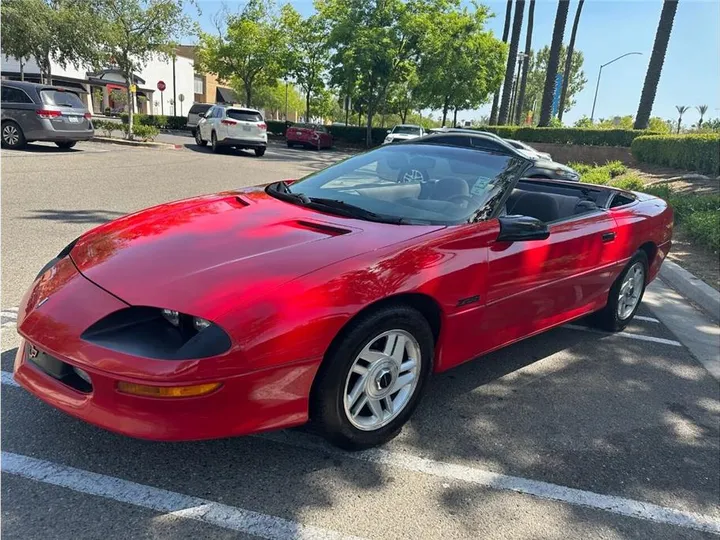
543 490
161 500
646 319
625 335
8 317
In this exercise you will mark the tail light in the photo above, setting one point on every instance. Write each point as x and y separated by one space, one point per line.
228 122
262 126
42 113
88 116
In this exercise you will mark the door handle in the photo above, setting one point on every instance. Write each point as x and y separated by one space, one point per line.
608 236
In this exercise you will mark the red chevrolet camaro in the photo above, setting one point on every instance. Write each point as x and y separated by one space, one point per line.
332 298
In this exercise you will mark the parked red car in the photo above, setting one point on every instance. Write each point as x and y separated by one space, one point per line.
309 136
332 298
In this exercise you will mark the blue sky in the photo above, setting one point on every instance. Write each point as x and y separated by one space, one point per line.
610 28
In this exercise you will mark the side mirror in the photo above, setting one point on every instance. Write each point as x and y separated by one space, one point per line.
521 228
201 115
388 131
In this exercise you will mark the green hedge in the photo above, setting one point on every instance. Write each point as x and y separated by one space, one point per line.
579 136
158 121
700 153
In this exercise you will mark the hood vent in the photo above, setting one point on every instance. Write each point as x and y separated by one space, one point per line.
321 227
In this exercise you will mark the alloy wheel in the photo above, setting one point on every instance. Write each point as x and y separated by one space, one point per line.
10 135
631 290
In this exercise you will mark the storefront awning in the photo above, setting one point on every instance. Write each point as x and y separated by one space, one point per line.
225 95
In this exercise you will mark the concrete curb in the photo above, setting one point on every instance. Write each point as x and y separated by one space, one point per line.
125 142
692 288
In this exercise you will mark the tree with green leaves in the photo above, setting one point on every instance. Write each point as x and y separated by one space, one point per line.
657 59
553 62
538 63
702 109
273 97
62 31
373 42
308 54
457 78
134 31
681 109
251 48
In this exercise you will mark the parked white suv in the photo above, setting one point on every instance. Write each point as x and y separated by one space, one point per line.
403 132
231 126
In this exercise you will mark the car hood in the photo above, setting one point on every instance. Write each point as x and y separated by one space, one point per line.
403 136
202 255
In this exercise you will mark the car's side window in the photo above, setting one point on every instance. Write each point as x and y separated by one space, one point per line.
14 95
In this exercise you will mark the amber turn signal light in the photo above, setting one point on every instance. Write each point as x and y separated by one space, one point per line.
167 391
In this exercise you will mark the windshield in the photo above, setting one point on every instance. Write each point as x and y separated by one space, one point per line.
406 130
415 184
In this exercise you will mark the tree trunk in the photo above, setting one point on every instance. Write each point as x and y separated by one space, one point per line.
368 129
512 58
652 77
455 118
307 106
248 94
679 122
553 63
506 30
526 65
22 70
568 61
404 113
128 81
445 110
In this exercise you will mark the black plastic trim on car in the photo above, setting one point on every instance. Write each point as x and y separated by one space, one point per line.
57 369
143 331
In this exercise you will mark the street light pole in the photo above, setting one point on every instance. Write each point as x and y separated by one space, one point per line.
286 98
597 86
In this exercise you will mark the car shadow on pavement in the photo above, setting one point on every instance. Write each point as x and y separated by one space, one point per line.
75 216
35 148
576 409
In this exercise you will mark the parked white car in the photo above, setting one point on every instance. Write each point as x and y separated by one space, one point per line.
527 148
403 132
232 126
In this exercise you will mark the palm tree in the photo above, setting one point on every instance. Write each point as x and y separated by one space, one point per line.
512 58
702 109
568 60
652 77
506 30
526 65
681 110
553 62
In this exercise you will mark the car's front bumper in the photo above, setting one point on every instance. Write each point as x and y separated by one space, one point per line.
62 303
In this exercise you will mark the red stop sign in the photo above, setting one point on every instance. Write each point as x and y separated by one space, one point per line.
161 85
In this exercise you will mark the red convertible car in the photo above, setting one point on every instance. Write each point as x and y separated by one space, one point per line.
330 299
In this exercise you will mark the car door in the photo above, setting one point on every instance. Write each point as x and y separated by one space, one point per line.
205 124
536 284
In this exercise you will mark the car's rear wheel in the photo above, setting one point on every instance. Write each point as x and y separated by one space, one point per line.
372 378
259 152
66 145
625 296
198 138
12 135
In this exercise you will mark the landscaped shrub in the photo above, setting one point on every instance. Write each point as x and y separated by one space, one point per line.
579 136
697 152
105 126
159 121
145 133
276 127
704 228
629 182
615 168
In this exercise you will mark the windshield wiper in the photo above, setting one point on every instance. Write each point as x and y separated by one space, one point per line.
282 192
350 210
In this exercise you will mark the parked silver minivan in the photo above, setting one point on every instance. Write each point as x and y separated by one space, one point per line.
40 112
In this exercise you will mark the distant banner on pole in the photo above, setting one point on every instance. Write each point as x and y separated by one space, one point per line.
556 95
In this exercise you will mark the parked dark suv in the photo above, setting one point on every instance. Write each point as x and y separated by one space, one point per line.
194 115
39 112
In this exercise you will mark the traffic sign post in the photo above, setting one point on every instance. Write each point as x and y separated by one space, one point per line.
161 86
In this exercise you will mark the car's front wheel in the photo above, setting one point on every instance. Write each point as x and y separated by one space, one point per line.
66 145
12 135
372 378
625 295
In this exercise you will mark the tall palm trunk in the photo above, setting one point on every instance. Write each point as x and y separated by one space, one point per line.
512 58
553 62
526 64
506 31
568 60
652 77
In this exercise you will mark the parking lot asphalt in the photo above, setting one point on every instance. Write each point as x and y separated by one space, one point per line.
568 434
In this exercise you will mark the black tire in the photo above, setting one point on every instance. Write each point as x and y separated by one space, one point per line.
327 409
608 318
66 145
12 135
198 138
290 145
259 152
214 143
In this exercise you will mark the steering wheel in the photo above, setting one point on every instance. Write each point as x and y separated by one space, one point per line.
410 175
460 199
